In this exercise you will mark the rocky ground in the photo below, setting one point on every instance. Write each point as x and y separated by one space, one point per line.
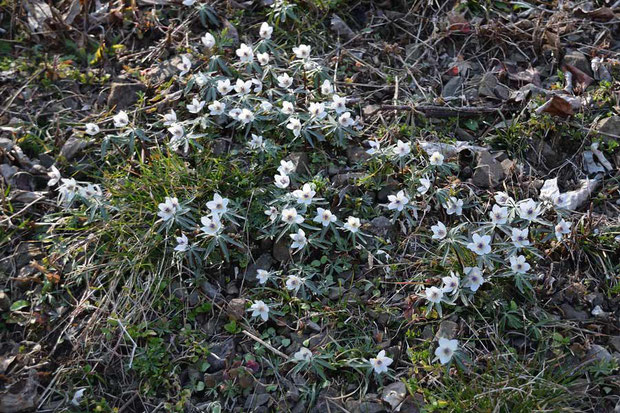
99 314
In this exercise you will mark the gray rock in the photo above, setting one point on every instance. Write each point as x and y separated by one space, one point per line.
394 394
356 154
346 178
452 88
124 94
615 342
447 329
341 28
300 161
73 147
489 172
580 61
281 251
357 406
381 226
264 262
599 353
163 71
211 291
572 314
218 353
609 126
46 160
256 400
8 171
491 88
21 396
6 144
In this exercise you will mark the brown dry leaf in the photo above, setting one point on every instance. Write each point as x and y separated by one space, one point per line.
603 14
556 106
583 79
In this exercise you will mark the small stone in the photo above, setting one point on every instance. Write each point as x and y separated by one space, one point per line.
6 144
124 94
256 400
599 353
341 28
281 251
301 162
356 154
452 88
394 394
211 291
73 147
491 88
447 329
218 353
348 178
615 342
236 308
381 226
609 126
489 172
580 61
572 314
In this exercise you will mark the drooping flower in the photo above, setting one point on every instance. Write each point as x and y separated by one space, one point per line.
446 350
425 185
256 142
208 40
294 125
185 65
299 239
304 195
502 198
260 309
433 294
170 118
519 264
176 130
54 176
562 228
263 58
168 208
92 129
304 354
397 201
327 88
520 237
286 167
481 244
454 206
290 216
380 363
90 191
439 231
353 224
288 108
324 217
121 119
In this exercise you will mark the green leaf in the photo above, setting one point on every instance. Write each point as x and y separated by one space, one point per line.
18 305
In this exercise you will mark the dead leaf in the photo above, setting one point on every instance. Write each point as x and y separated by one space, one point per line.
603 14
458 23
583 79
556 106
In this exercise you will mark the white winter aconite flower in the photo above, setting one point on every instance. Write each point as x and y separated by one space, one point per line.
436 159
91 129
439 231
243 88
302 51
208 40
182 243
256 142
265 31
454 206
562 228
290 216
245 53
324 217
339 104
54 176
433 294
294 283
397 201
520 237
499 215
299 239
450 283
327 88
284 81
481 244
262 276
282 181
260 309
224 87
353 224
519 264
211 225
217 108
380 363
168 208
375 147
528 209
185 65
305 195
196 106
219 205
295 126
263 58
474 278
425 185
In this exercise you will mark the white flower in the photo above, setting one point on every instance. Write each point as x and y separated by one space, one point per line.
219 205
317 110
272 213
170 118
450 283
201 79
290 216
299 239
167 209
439 230
262 276
345 120
90 191
327 88
196 105
446 349
208 40
266 106
294 125
77 397
260 309
454 206
284 81
286 167
433 294
375 146
211 226
302 51
293 283
217 108
474 278
282 181
502 198
54 176
121 119
519 264
436 159
425 185
304 195
243 88
265 31
481 245
245 53
92 129
185 65
182 243
288 108
304 354
176 131
256 142
246 116
189 3
397 201
224 87
263 58
402 148
528 209
324 217
353 224
380 363
520 237
339 104
499 215
234 113
562 228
